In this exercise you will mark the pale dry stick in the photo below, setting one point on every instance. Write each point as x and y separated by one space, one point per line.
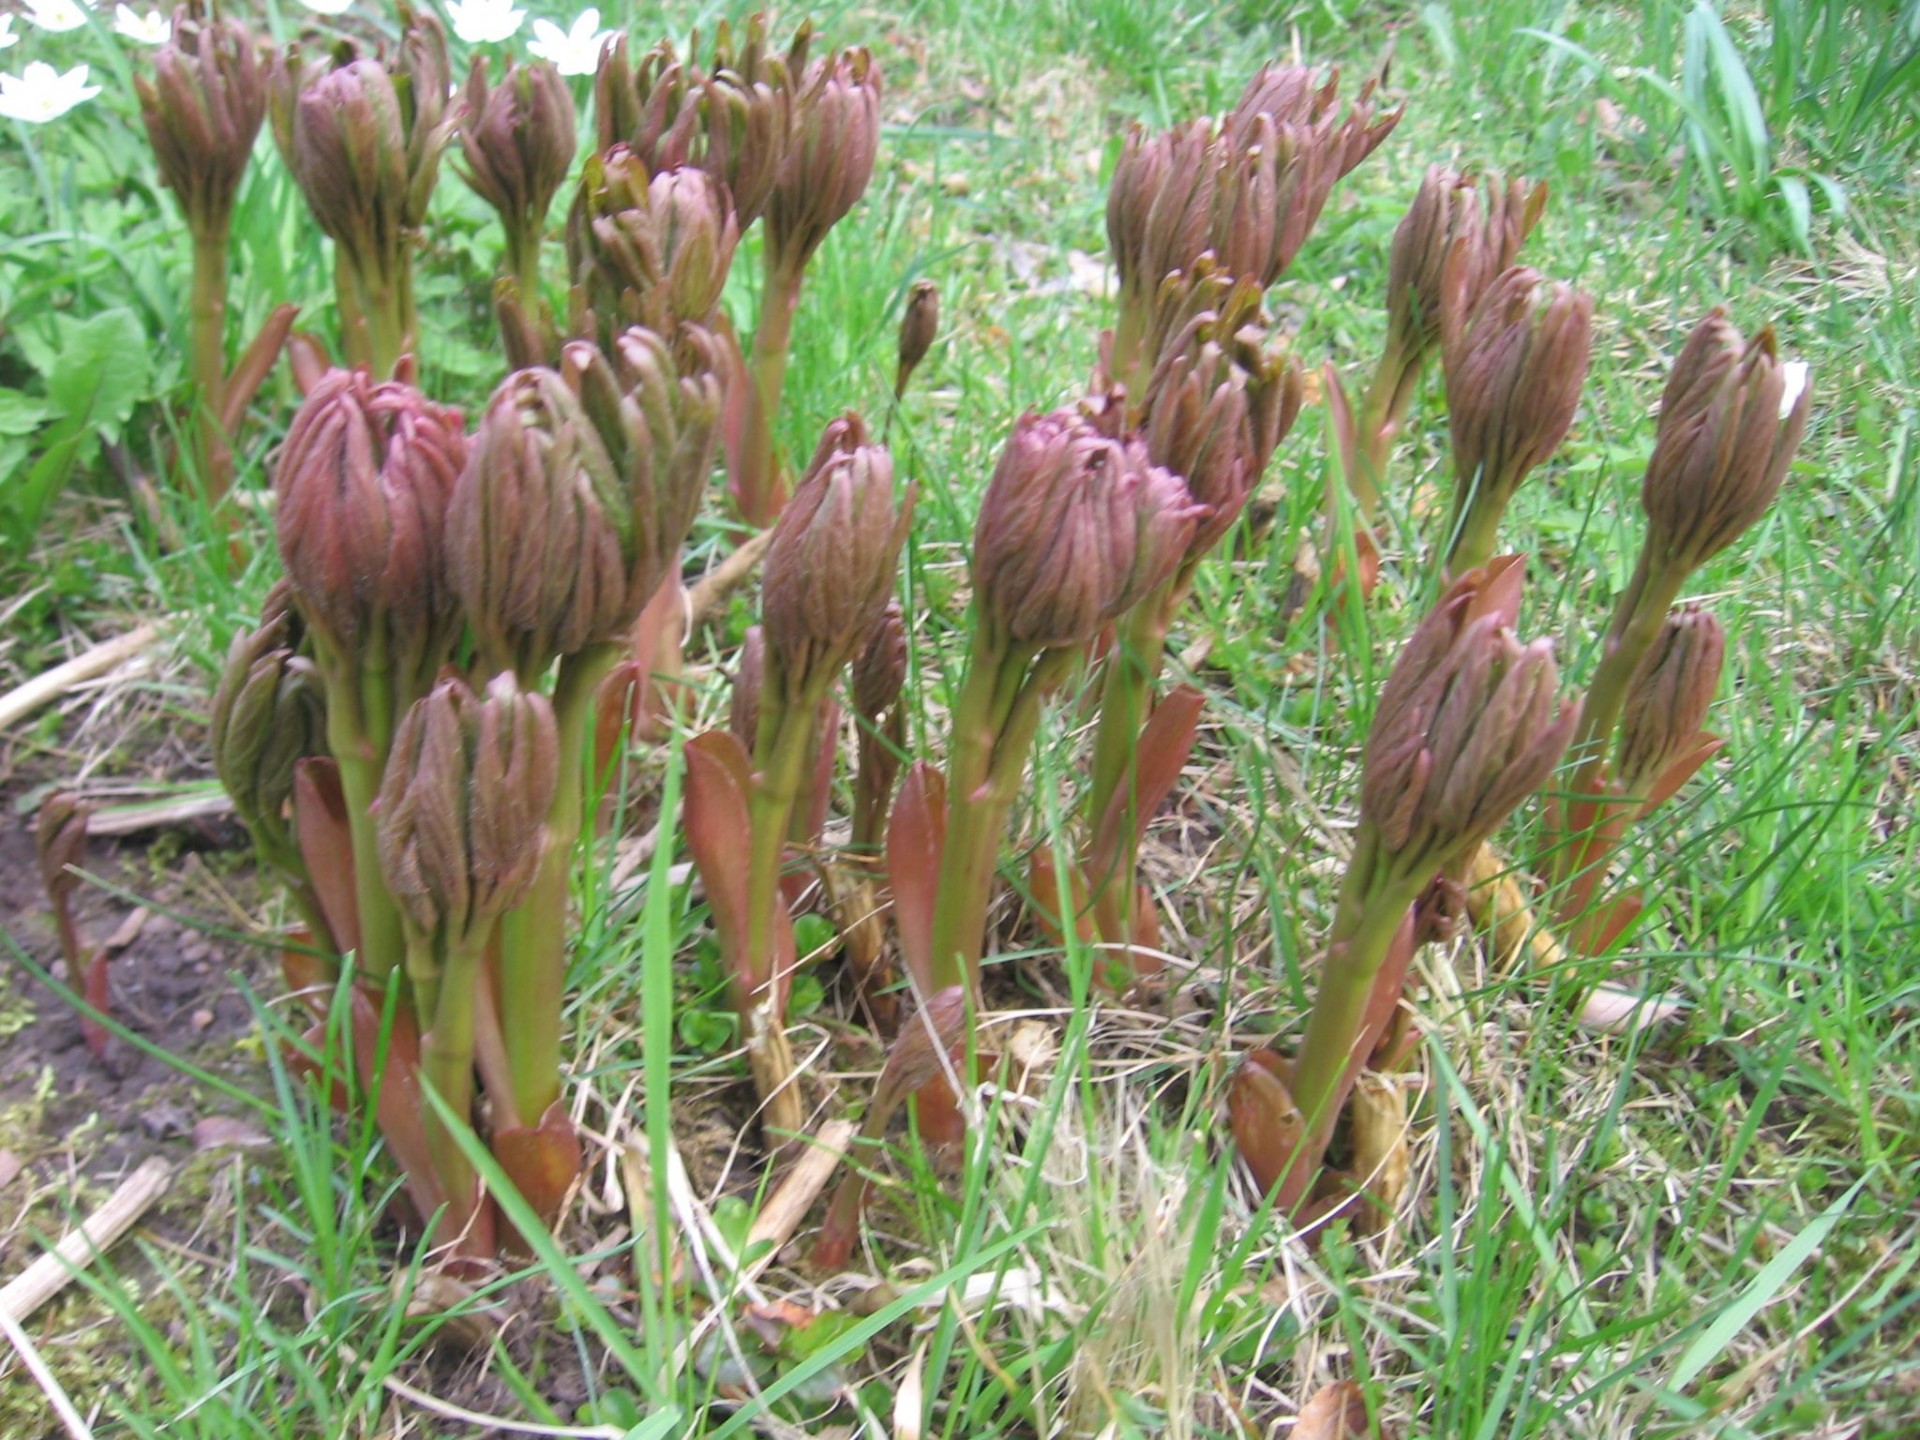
50 1274
805 1179
707 593
114 820
89 664
48 1382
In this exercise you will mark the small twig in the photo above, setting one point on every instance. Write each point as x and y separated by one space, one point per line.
52 1272
24 699
50 1386
710 591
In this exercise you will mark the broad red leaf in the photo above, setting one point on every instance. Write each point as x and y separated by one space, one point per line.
326 845
916 841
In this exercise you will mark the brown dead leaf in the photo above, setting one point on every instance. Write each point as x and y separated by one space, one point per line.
1338 1412
10 1166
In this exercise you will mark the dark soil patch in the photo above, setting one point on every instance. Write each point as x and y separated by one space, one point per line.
171 986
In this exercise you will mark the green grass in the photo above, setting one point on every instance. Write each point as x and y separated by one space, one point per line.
1703 1230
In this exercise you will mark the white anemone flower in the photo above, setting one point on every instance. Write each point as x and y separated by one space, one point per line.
575 51
56 14
148 29
7 37
43 94
328 7
485 22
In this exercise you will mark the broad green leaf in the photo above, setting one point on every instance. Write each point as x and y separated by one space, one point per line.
100 373
22 414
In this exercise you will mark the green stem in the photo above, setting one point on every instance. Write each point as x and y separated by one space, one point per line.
523 262
779 775
356 345
1383 410
1126 700
1373 904
207 347
1476 533
1638 616
1127 362
446 1056
757 487
533 935
359 734
995 720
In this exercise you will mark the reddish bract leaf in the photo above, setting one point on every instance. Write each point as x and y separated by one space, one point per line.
718 825
401 1107
916 841
326 845
307 357
1045 901
715 814
1266 1124
255 364
1706 746
542 1161
1159 757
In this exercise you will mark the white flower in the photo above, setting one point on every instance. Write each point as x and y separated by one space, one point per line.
7 37
56 14
148 29
486 22
40 94
328 7
575 51
1794 372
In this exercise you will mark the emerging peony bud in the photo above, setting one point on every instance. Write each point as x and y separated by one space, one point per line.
364 141
1513 383
534 529
269 713
735 123
362 485
462 813
345 140
650 251
1469 724
1730 419
518 143
836 137
1076 526
1448 250
1289 96
880 670
1219 404
830 565
202 110
1669 697
697 232
918 327
1157 204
